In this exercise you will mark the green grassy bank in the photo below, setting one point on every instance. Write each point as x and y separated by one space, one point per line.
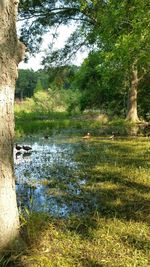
62 122
47 114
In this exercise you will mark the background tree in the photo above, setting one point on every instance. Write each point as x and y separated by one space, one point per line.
43 76
128 45
11 53
100 90
27 81
38 86
61 76
144 97
25 84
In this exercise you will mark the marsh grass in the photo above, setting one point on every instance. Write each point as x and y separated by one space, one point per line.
37 115
113 229
57 122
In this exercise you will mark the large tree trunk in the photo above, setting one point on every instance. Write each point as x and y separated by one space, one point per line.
11 53
132 114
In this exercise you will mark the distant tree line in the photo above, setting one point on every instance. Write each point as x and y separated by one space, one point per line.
97 90
30 81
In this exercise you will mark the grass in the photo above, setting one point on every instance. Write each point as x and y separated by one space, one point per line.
113 229
44 115
55 122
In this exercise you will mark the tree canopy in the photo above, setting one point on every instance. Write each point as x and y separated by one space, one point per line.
121 26
117 30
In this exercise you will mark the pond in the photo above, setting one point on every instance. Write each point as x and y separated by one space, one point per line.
49 178
66 176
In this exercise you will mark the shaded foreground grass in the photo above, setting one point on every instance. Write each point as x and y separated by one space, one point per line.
113 229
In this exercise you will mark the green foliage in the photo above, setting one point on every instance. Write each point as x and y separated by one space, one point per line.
117 34
144 96
43 76
62 76
38 87
98 88
45 102
117 30
27 82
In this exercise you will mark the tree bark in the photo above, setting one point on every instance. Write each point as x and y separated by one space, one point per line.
11 53
132 114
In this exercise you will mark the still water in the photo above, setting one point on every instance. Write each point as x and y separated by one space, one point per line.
49 178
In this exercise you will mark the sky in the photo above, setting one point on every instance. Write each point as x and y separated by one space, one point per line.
64 32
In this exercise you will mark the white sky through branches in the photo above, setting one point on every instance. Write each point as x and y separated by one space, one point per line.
64 32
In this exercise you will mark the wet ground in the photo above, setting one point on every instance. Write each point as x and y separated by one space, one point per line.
65 175
48 177
96 191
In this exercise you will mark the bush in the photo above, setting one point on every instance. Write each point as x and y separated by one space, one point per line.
52 100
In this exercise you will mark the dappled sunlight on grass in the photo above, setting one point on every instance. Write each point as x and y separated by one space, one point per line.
120 181
85 241
113 228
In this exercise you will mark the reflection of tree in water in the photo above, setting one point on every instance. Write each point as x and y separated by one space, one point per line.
25 195
133 130
85 177
138 129
48 179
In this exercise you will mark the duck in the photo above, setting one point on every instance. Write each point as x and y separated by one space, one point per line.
26 148
18 154
111 137
18 147
87 136
26 154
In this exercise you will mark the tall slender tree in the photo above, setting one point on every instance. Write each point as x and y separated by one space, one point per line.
11 53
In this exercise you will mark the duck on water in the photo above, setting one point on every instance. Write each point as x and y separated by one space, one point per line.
87 136
24 147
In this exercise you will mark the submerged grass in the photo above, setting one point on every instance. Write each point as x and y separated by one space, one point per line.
113 229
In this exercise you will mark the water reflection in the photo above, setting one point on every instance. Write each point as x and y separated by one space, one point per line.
50 179
47 178
140 129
